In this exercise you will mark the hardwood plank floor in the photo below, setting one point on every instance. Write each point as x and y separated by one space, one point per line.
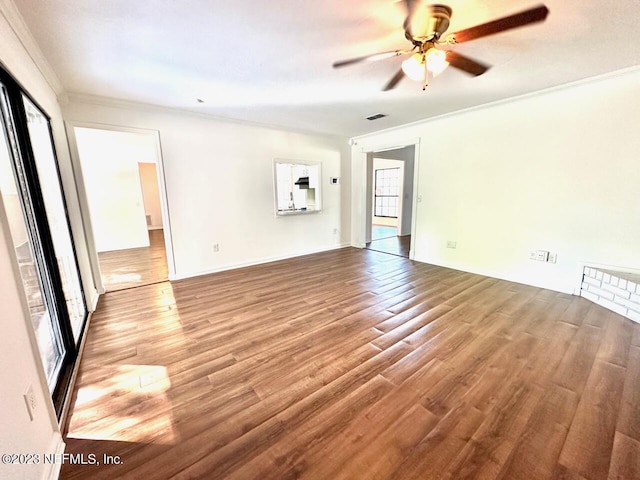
353 364
134 267
393 245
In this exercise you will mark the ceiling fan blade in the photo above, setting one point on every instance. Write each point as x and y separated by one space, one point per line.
411 6
369 58
532 15
466 64
391 84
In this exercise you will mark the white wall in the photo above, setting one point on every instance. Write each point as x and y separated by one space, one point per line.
109 163
219 178
19 357
21 367
555 171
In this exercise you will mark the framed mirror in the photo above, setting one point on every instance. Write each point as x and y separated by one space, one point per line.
297 187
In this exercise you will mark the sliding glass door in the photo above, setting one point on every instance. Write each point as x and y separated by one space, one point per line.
36 214
27 244
46 165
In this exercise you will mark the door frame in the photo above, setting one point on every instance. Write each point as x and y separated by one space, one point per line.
84 201
362 168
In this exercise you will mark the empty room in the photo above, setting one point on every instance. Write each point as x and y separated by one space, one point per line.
383 239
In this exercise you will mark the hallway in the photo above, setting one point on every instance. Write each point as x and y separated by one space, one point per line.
384 239
136 266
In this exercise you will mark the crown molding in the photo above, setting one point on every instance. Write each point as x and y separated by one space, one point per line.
89 99
564 86
15 20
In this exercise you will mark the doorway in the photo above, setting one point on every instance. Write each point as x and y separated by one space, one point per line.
390 177
123 181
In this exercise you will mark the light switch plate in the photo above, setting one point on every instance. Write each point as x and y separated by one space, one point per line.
542 255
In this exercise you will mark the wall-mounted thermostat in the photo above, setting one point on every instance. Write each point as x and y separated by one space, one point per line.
334 180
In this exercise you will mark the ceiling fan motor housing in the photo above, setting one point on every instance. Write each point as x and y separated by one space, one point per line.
433 26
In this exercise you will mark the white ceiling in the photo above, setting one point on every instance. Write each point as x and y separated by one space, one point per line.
270 61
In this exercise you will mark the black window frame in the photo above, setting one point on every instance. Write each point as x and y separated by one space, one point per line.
15 92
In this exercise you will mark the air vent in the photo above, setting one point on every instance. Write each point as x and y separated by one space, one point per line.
376 116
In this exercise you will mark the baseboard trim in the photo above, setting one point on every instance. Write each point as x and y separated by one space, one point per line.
498 275
95 298
233 266
53 472
66 407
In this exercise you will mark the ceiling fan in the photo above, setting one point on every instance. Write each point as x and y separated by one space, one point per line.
425 26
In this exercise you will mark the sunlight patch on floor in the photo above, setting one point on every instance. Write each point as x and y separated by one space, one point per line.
145 413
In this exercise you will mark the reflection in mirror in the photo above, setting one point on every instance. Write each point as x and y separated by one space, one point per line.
297 187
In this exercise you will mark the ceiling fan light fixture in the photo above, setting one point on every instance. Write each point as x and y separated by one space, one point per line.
425 27
414 67
436 61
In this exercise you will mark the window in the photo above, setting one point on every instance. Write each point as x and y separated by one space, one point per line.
297 187
387 191
35 208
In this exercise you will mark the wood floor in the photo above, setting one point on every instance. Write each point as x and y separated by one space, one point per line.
393 245
136 266
353 364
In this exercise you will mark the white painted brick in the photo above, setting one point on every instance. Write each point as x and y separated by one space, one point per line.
592 281
601 293
614 281
589 296
618 291
606 278
627 303
599 275
635 316
635 298
585 286
638 288
612 306
622 283
587 272
631 286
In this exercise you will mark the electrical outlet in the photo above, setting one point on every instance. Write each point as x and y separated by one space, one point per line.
335 231
553 258
216 247
452 244
30 400
533 255
542 255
